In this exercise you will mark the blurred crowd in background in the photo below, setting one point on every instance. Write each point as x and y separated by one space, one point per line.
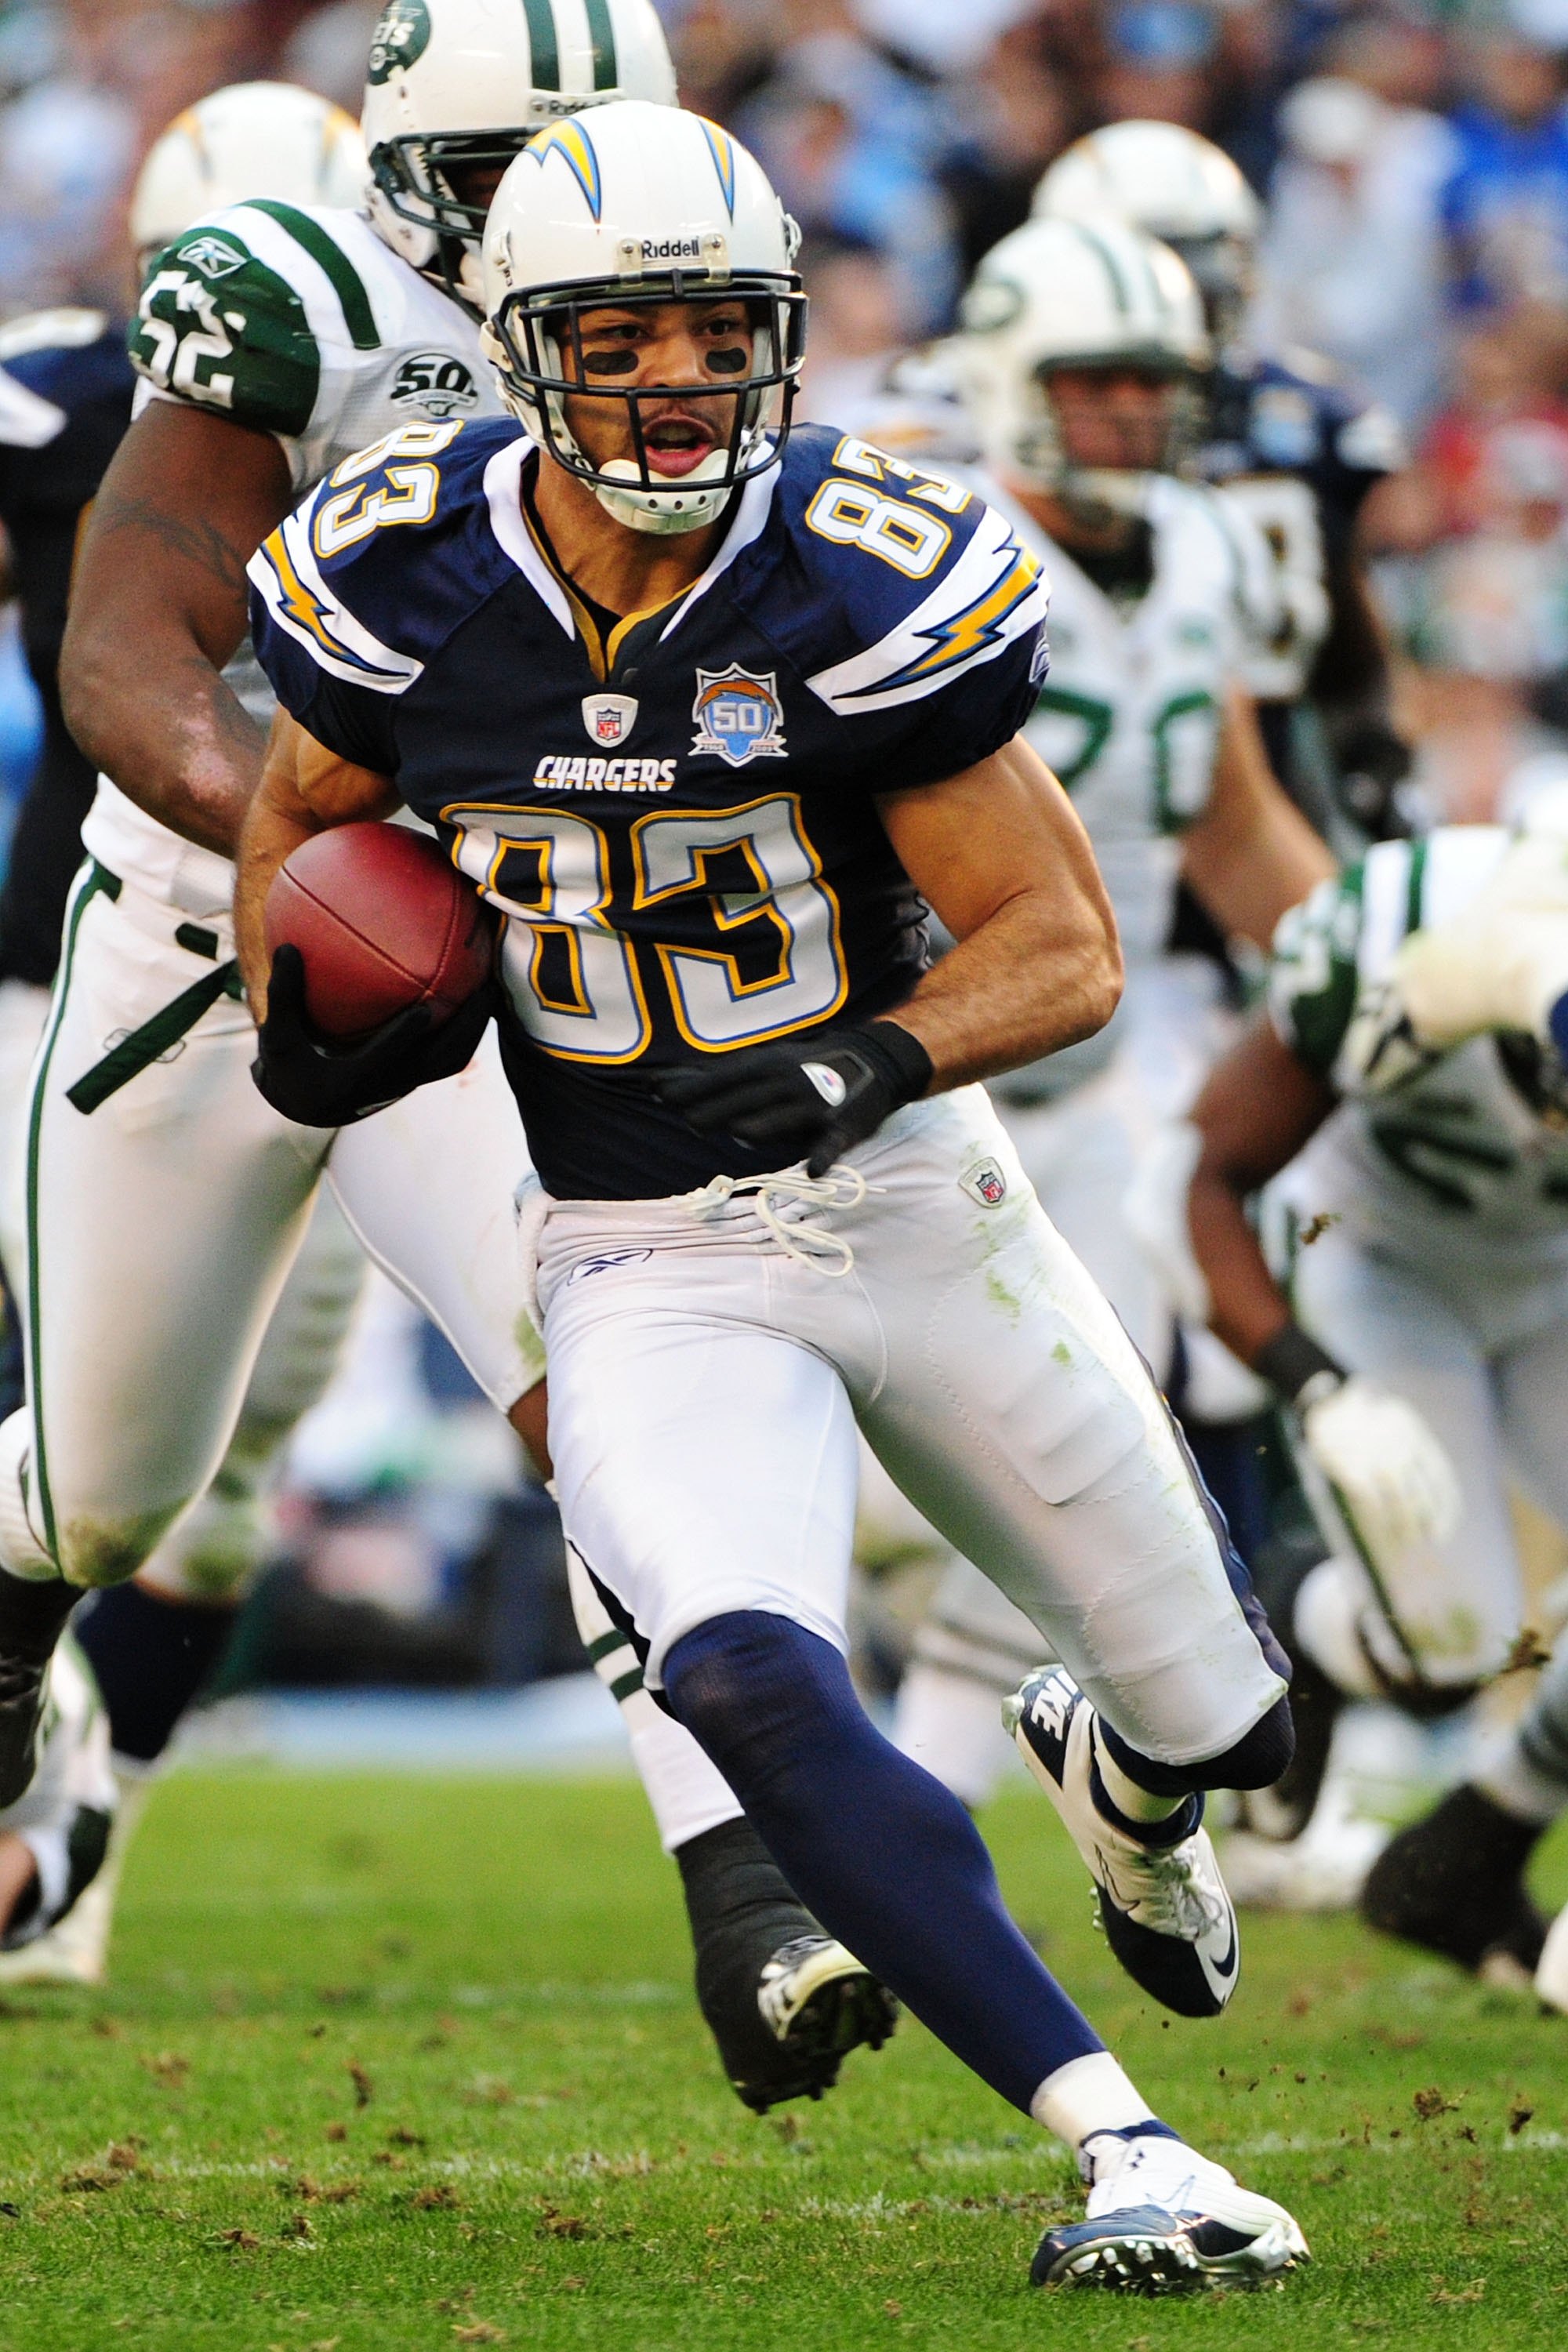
1413 163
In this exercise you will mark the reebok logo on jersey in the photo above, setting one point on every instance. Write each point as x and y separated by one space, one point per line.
737 714
212 257
436 384
558 771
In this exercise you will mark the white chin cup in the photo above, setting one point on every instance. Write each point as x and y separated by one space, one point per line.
684 506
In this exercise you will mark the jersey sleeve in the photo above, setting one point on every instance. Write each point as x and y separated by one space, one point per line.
943 608
251 315
359 588
1314 977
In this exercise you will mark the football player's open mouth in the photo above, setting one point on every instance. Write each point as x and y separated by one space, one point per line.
678 443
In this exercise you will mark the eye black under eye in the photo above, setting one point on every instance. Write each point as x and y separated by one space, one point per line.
727 363
621 363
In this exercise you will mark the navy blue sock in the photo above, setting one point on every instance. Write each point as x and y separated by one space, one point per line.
884 1855
1256 1761
150 1657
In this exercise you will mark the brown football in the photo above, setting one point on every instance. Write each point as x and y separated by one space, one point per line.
382 920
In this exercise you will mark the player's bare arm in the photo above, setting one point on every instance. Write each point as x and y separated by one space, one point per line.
1252 853
158 607
1001 857
304 789
1258 1108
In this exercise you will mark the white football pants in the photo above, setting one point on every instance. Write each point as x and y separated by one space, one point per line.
708 1368
163 1217
1485 1362
213 1552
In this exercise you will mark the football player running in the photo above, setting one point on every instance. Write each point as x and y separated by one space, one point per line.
1403 1101
1081 356
1293 447
775 1202
165 1199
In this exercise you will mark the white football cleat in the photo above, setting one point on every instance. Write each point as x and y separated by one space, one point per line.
1551 1968
1162 2219
1165 1911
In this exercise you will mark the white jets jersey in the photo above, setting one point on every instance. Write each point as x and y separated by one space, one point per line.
1464 1156
1130 715
295 320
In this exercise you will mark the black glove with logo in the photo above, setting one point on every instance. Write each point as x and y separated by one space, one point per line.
813 1100
319 1082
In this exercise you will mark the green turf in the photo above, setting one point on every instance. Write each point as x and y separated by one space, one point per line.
389 2064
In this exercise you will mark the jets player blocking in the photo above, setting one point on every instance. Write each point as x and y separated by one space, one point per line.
1407 1293
166 1207
774 1202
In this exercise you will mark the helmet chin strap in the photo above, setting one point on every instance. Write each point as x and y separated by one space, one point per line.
684 506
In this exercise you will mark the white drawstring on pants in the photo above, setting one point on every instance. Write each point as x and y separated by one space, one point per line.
843 1187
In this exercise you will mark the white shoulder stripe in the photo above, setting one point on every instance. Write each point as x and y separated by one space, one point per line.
298 600
993 593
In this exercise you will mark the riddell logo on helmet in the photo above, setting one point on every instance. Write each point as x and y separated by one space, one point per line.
671 248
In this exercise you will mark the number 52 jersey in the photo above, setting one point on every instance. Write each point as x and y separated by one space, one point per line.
675 817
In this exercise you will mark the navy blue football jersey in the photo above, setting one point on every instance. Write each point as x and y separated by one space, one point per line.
66 388
1271 418
677 822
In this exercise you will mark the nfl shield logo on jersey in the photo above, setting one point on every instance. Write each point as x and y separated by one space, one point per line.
609 717
984 1182
738 715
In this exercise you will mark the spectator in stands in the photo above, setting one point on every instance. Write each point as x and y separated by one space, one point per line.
1352 260
1506 202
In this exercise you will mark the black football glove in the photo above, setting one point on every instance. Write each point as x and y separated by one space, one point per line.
319 1082
813 1100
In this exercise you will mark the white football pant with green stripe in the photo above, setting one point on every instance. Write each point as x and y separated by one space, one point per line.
164 1214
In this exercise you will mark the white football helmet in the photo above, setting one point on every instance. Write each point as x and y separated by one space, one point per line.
1173 184
455 87
1058 294
637 206
253 139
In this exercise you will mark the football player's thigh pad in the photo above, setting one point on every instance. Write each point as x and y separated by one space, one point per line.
1016 1415
705 1459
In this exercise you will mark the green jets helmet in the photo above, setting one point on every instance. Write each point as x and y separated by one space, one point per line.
1071 294
454 89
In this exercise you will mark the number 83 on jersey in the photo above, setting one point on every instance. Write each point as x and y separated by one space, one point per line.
724 918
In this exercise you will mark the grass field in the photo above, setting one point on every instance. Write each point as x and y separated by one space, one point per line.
395 2064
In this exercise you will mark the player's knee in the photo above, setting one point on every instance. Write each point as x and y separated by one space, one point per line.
97 1552
748 1686
1254 1761
1257 1759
